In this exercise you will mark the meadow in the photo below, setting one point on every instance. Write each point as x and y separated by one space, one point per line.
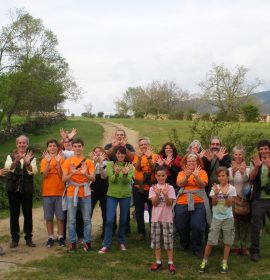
135 262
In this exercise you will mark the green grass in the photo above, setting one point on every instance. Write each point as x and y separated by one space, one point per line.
158 130
135 263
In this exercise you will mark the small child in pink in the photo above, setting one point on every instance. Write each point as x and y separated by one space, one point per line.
162 196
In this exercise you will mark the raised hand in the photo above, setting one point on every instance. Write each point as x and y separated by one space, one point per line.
221 153
63 134
187 171
215 188
256 161
165 189
72 133
72 168
3 172
160 161
139 153
157 190
59 156
196 171
235 167
47 156
116 169
266 161
126 168
28 157
148 152
84 168
123 142
168 160
114 141
243 167
102 157
202 153
208 154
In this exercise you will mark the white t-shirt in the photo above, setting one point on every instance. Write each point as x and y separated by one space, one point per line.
221 211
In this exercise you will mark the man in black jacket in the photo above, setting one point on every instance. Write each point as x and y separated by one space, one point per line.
260 177
21 166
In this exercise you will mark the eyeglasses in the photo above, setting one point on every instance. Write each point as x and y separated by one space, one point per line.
215 143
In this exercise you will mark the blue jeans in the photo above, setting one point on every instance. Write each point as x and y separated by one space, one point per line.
139 200
191 220
110 214
85 206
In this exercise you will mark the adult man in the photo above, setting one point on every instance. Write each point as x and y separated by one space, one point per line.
260 177
213 158
144 176
21 166
119 138
77 173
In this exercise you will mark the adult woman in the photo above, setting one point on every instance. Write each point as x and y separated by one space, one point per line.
100 186
239 178
191 204
169 158
119 175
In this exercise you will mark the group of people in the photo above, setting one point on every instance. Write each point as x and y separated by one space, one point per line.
195 197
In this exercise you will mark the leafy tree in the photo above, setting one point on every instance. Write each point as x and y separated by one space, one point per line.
100 114
250 112
225 89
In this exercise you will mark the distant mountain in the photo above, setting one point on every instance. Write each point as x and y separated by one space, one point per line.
263 98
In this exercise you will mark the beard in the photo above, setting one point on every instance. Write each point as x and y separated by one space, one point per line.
215 150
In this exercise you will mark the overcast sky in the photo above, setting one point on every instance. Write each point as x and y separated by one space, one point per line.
111 45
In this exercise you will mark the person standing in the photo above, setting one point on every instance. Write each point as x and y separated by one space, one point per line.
260 178
21 166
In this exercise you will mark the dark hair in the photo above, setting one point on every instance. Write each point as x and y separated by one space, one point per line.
52 141
263 143
77 140
162 151
160 168
222 169
120 149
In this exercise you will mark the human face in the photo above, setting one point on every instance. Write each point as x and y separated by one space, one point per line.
97 152
52 148
143 145
120 135
168 150
195 149
264 151
223 178
67 145
161 176
22 144
120 157
77 148
192 163
215 145
238 156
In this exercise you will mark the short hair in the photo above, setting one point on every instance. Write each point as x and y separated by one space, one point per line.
52 141
77 141
222 169
215 137
22 136
239 148
263 143
160 168
144 139
120 129
120 149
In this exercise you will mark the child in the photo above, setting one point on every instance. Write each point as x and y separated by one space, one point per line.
52 190
78 172
222 195
162 196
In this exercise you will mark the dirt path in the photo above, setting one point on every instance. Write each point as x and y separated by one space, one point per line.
23 254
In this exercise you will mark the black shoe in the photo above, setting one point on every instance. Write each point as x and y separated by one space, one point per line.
61 242
50 243
30 243
255 257
14 244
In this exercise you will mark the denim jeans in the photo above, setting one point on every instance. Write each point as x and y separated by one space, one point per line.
85 206
139 200
191 220
112 203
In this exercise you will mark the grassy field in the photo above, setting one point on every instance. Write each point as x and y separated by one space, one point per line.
135 262
158 131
